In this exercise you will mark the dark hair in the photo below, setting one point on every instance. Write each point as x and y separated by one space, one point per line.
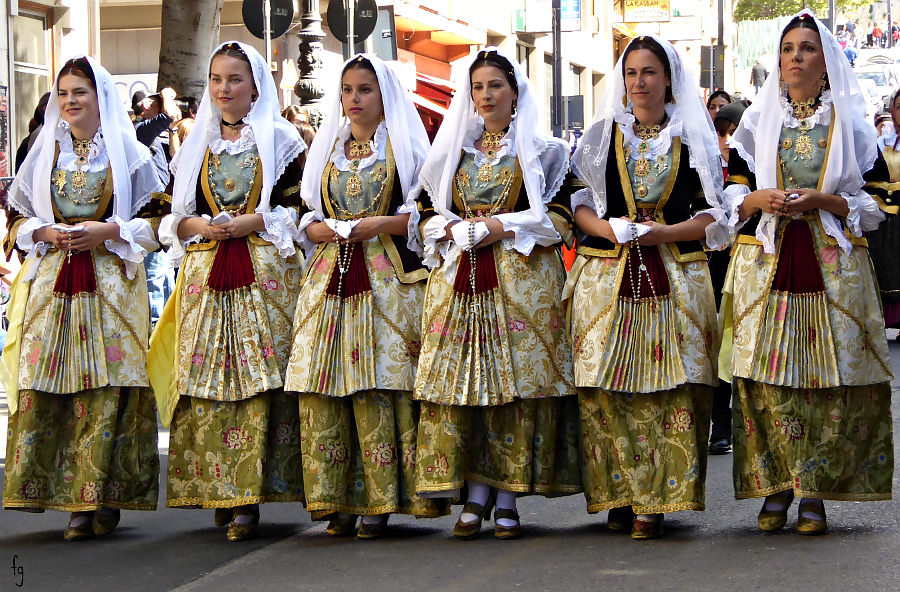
492 58
800 22
294 113
717 94
308 133
723 125
659 52
78 67
360 63
188 106
39 110
232 50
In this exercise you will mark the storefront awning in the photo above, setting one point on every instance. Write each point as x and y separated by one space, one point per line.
621 29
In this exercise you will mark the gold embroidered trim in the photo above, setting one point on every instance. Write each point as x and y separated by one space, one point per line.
199 502
330 508
290 191
18 503
738 179
826 495
657 509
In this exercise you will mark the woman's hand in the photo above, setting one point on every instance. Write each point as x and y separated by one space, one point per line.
366 229
242 225
659 234
93 235
319 232
811 199
51 236
771 201
495 231
196 225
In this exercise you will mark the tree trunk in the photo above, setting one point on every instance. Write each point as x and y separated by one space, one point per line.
190 31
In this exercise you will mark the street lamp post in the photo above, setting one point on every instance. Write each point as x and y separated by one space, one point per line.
309 63
556 108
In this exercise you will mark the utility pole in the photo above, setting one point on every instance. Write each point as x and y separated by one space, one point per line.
556 104
267 23
350 6
720 32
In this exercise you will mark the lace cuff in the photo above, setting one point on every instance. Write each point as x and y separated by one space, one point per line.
309 247
168 235
865 215
434 247
585 197
137 241
727 219
413 240
527 233
25 238
280 230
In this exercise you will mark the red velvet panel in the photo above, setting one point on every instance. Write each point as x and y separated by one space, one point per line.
485 272
76 275
798 269
657 271
232 267
356 280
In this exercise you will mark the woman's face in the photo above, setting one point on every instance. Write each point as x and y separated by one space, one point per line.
78 103
802 61
361 97
645 79
493 96
895 112
231 86
716 104
723 140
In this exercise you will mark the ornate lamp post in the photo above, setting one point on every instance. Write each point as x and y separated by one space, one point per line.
309 64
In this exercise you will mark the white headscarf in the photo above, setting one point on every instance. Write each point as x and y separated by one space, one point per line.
462 121
133 175
277 140
851 152
697 132
409 142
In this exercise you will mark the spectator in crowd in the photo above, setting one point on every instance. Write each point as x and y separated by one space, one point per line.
34 128
716 101
758 76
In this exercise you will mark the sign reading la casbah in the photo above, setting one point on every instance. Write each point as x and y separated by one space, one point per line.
644 11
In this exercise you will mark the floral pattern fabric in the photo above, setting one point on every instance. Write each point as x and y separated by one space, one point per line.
359 454
527 446
768 327
833 443
645 450
82 451
514 348
103 338
225 454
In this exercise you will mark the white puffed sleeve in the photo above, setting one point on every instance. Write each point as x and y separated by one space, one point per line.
168 235
280 229
727 219
865 215
137 240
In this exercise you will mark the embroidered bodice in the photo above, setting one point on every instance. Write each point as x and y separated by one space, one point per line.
481 186
73 197
231 178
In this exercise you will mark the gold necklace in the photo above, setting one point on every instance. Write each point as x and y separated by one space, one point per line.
804 109
490 141
357 151
495 206
81 148
647 132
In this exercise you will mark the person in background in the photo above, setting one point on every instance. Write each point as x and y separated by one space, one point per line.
34 128
716 101
758 76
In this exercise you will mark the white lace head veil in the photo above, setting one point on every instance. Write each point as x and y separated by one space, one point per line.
853 148
30 191
697 131
409 141
462 121
277 140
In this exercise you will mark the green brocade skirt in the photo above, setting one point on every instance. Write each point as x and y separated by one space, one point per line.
645 450
832 443
82 451
359 454
529 446
235 453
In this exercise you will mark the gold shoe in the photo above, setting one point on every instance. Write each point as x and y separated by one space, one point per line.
223 516
342 525
468 530
647 529
507 532
105 520
242 532
811 526
620 519
82 531
373 530
772 520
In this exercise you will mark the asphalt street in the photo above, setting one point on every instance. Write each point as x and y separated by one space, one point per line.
565 550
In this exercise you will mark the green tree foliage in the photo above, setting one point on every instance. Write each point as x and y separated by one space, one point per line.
755 10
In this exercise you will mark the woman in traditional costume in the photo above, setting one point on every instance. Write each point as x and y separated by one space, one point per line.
884 243
812 409
357 326
643 315
82 427
219 353
495 374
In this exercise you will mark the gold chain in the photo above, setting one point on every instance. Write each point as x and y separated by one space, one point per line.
82 149
359 149
642 268
345 254
647 132
804 109
490 141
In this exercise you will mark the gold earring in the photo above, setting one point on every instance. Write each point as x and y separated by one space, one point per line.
823 82
515 108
